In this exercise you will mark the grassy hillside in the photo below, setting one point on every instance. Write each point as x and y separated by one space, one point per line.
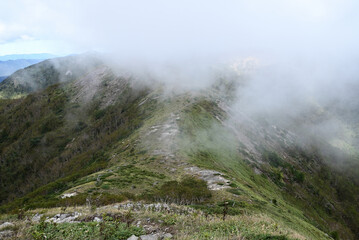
101 139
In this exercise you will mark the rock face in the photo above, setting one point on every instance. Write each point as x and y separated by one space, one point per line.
64 218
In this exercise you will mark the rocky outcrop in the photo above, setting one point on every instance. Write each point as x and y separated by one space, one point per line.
64 218
156 236
214 179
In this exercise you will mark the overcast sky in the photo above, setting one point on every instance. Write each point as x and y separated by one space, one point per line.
164 29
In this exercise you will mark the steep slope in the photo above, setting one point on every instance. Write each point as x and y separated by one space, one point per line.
83 135
47 134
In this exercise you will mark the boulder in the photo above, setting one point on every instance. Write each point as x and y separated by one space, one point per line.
37 217
150 237
133 237
167 236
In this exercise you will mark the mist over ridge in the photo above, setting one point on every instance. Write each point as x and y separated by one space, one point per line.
180 119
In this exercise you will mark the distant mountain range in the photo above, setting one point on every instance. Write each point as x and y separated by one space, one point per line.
9 67
11 63
27 56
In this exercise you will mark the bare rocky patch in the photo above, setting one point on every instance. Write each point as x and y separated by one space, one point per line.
214 179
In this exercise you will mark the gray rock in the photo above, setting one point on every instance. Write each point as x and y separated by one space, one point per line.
64 217
68 195
97 219
133 237
6 225
214 179
37 217
167 236
149 237
6 234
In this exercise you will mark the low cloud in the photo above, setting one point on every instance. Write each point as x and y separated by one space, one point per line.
306 52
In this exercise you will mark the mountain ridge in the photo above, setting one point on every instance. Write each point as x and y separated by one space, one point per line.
76 127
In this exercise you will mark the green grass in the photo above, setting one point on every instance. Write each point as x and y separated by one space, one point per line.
85 230
183 222
210 145
189 190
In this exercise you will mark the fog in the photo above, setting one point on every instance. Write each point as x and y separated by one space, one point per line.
162 30
305 53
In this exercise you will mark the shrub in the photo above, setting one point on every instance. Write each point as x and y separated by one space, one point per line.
334 235
105 186
99 114
273 159
298 176
189 191
80 126
277 176
50 123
